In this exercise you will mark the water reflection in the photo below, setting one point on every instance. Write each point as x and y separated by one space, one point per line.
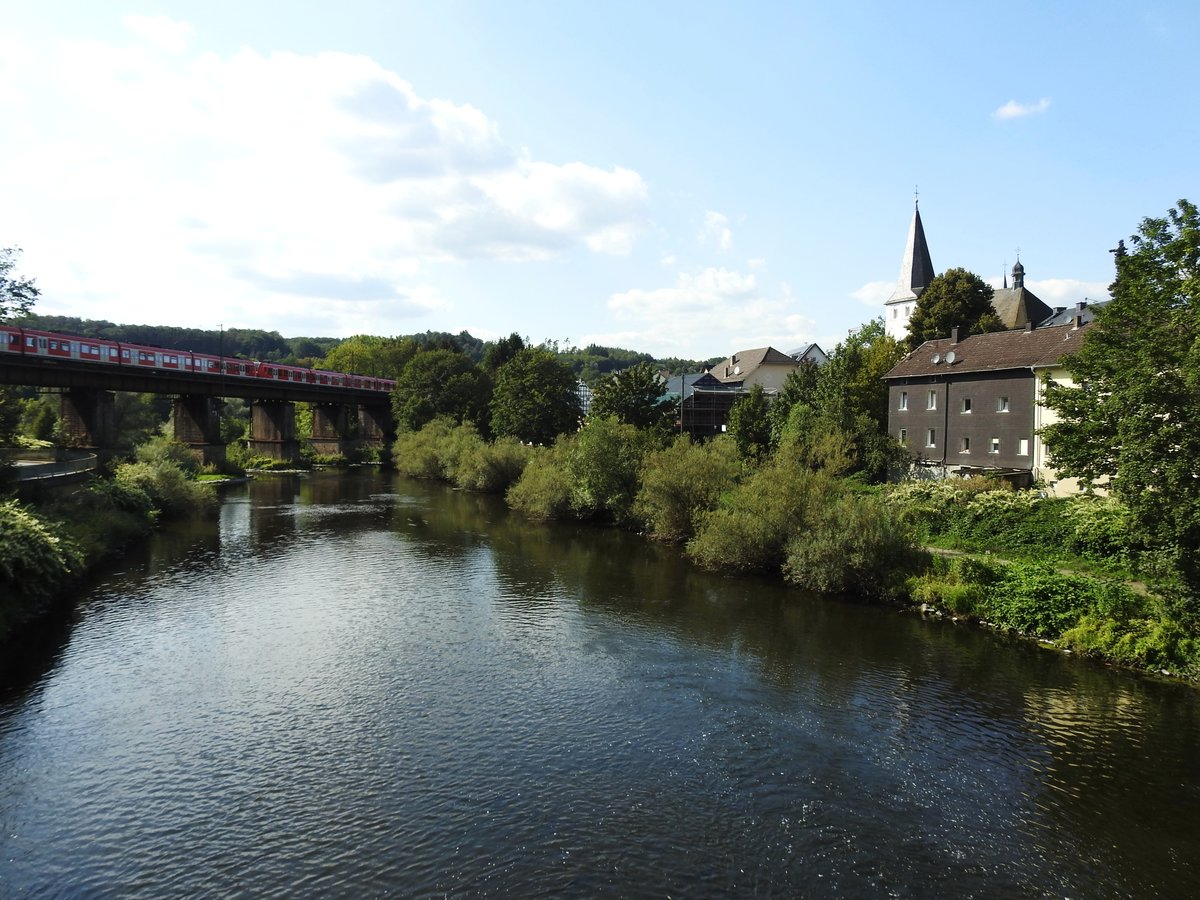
366 685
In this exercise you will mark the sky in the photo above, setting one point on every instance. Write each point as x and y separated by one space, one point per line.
683 179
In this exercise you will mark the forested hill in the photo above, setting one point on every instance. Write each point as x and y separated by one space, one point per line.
591 363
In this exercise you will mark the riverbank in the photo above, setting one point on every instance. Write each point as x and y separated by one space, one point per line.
45 551
1079 576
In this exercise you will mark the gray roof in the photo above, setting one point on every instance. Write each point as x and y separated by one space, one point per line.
811 353
1086 309
916 268
742 363
1017 307
1033 348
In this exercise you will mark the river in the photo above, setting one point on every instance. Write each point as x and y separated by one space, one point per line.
359 685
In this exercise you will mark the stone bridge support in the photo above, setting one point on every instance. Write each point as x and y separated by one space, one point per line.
375 426
197 423
89 420
334 429
273 429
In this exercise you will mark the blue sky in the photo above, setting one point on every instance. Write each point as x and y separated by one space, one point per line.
685 179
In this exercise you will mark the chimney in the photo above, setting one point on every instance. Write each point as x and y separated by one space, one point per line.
954 335
1079 308
1029 326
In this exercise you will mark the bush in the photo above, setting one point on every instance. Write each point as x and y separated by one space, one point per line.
603 461
168 487
683 481
164 450
492 468
35 557
123 495
544 489
852 543
421 453
753 524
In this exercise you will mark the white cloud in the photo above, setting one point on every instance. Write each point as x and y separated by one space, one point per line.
874 293
240 187
716 310
161 31
716 230
669 260
756 265
1014 110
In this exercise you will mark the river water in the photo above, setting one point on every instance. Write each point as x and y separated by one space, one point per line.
358 685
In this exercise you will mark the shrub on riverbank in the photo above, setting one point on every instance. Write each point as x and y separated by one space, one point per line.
459 455
682 482
169 488
36 559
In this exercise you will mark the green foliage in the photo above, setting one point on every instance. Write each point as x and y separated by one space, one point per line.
35 557
954 298
1134 418
750 425
17 295
366 354
635 396
492 468
497 353
11 408
168 487
139 417
603 461
544 489
425 453
683 481
162 450
1033 598
535 398
750 529
439 383
851 543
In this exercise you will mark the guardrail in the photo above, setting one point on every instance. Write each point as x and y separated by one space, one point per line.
33 470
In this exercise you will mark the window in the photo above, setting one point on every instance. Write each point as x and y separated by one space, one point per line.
932 402
904 399
964 445
904 435
995 446
931 438
1023 447
1001 404
966 404
895 311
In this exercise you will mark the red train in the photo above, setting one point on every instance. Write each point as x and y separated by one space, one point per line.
51 345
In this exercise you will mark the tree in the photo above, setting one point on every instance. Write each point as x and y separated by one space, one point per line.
954 298
535 398
636 396
750 425
441 383
1134 418
497 353
367 354
17 295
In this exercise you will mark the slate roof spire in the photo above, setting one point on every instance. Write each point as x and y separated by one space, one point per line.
916 268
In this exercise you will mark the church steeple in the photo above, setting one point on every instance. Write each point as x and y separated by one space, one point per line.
916 268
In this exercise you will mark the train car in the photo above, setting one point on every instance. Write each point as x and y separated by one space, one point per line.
50 345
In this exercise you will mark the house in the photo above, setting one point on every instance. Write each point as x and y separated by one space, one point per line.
810 354
764 366
974 405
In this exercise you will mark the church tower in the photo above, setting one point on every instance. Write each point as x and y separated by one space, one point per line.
916 271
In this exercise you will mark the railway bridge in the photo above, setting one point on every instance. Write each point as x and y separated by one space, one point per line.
344 417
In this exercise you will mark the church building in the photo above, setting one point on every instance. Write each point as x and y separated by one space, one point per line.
1016 307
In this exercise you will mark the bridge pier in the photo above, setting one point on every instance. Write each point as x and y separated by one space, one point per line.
334 429
273 429
197 423
375 426
89 420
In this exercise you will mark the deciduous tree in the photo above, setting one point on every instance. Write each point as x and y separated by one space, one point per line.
441 383
17 295
535 398
954 298
636 396
1135 416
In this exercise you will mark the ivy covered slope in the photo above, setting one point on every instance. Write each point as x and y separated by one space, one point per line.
44 551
